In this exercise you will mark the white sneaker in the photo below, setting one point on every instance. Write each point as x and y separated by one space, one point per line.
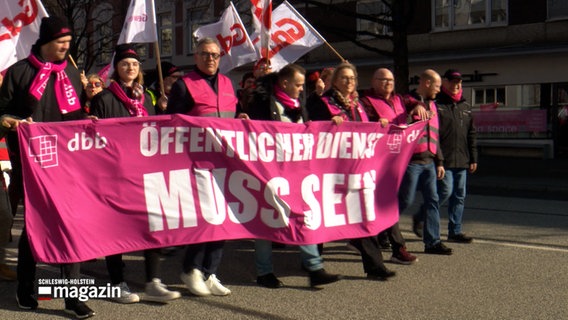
158 292
215 286
195 283
126 296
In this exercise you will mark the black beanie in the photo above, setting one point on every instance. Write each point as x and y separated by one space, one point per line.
124 51
52 28
168 68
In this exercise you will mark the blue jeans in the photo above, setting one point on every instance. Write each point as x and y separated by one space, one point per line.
311 258
422 177
452 190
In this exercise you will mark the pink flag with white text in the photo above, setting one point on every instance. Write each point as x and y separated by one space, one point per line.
97 188
19 29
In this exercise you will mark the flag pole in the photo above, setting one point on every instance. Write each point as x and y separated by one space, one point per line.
73 62
160 73
312 28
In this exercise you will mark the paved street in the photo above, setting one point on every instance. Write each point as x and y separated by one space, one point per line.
515 269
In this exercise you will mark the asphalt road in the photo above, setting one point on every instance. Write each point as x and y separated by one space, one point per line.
515 269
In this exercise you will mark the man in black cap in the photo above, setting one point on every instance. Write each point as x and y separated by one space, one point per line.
41 88
459 146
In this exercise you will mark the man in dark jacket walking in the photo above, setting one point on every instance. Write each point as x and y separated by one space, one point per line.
458 142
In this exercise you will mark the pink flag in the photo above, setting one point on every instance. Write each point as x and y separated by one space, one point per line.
261 23
97 188
19 29
291 37
236 47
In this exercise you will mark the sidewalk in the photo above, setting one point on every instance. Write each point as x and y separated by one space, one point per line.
521 177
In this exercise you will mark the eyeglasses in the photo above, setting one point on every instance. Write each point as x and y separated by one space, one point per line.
124 64
94 85
347 79
384 80
212 55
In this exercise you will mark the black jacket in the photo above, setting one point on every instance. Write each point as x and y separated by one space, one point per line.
262 105
457 132
107 105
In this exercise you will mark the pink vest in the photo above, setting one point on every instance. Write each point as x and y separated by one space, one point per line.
208 103
395 114
428 141
337 111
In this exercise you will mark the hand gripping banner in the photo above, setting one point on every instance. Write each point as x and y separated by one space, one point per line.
97 188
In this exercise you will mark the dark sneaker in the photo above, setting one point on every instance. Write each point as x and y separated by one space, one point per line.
381 274
438 248
320 277
26 301
269 281
403 257
417 226
78 309
460 238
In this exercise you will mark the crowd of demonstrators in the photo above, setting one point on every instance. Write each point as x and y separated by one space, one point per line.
33 91
278 100
204 92
37 89
126 97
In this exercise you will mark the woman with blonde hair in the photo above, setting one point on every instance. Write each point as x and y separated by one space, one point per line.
341 103
126 97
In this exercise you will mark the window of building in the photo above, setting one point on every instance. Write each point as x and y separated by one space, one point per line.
484 96
196 17
557 9
370 29
460 14
530 94
166 34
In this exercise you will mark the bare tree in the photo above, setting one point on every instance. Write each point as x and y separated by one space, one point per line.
395 16
85 17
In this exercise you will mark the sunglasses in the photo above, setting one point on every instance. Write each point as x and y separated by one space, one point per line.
94 85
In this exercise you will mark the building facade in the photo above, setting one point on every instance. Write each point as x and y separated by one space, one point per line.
512 54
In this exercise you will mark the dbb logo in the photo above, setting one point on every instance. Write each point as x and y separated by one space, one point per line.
83 142
413 136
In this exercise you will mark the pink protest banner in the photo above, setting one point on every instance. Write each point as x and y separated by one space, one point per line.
97 188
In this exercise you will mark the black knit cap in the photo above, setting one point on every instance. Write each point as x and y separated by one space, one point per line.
52 28
168 68
124 51
452 74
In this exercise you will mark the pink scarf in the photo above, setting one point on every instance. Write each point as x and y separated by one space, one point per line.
64 91
134 106
455 97
285 99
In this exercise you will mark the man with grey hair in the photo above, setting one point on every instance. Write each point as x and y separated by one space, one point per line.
207 93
